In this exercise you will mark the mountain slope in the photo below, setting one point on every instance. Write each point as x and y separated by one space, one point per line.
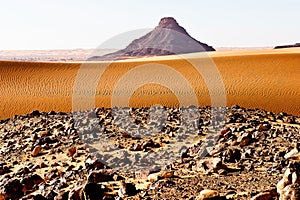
167 38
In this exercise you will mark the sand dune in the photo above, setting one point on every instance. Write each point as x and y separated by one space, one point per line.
267 79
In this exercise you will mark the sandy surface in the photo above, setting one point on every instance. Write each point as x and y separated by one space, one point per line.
267 79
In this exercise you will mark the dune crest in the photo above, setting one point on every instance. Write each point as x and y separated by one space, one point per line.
267 80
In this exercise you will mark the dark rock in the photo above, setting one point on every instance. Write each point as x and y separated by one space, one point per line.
62 196
287 46
31 180
12 189
264 127
71 151
92 191
4 170
244 139
75 194
52 113
100 176
35 113
232 155
92 164
50 195
39 197
127 189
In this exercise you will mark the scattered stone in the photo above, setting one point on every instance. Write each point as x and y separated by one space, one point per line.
268 195
127 189
166 174
71 151
264 127
44 133
288 186
153 177
35 113
242 159
75 193
208 194
209 165
30 181
62 196
290 192
11 189
294 153
93 164
100 176
244 139
39 197
92 191
36 150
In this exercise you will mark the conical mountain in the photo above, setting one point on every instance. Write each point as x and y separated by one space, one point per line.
167 38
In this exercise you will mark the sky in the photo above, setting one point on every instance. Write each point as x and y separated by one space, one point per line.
71 24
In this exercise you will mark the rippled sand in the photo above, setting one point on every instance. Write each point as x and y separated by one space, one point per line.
266 79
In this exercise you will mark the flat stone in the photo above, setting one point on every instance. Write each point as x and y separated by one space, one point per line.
268 195
208 194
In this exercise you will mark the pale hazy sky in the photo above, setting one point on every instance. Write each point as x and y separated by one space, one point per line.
66 24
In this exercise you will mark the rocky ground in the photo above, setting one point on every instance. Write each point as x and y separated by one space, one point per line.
151 153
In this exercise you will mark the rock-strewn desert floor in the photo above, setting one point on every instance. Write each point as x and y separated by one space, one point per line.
51 156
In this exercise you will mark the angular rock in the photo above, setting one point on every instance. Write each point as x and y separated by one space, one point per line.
264 127
75 194
166 174
153 177
292 153
36 150
127 189
71 151
91 191
100 176
93 164
39 197
232 155
290 192
31 180
12 189
288 186
244 139
64 195
209 164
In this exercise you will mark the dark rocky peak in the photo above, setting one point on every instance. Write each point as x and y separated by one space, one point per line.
168 38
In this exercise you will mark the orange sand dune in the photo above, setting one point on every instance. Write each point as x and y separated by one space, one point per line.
267 79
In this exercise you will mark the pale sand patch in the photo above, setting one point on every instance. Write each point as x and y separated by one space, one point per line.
267 79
